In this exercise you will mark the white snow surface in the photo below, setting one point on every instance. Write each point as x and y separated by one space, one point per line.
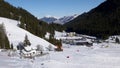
16 34
72 57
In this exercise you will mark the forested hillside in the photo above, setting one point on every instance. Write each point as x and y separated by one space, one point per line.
28 21
101 21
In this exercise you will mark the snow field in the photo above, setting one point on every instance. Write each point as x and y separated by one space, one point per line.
79 57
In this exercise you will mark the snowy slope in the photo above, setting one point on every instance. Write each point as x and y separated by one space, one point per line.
16 34
72 57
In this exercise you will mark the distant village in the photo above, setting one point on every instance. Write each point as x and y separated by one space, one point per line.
73 38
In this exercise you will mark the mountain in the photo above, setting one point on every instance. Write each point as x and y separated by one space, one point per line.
48 19
102 21
65 19
61 20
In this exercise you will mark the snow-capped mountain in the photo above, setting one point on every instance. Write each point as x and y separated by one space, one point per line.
48 19
16 34
65 19
62 20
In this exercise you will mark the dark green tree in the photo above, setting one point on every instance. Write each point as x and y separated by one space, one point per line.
117 40
11 46
26 41
4 42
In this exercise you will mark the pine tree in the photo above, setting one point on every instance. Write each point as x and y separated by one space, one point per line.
7 44
117 40
11 46
4 42
26 41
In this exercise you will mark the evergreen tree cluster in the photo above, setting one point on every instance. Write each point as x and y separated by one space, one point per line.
101 21
55 26
56 42
4 42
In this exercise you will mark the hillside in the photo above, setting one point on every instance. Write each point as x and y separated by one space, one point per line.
102 21
17 35
28 21
21 14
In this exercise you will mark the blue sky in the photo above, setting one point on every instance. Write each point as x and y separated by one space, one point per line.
58 8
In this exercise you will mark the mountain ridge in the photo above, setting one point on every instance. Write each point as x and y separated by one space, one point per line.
49 19
101 21
62 20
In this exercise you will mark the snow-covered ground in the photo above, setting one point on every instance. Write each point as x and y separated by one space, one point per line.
97 56
16 34
103 55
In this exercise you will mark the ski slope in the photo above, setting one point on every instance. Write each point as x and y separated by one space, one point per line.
16 34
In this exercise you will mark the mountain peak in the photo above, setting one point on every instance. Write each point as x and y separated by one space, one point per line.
62 20
49 16
48 19
66 19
